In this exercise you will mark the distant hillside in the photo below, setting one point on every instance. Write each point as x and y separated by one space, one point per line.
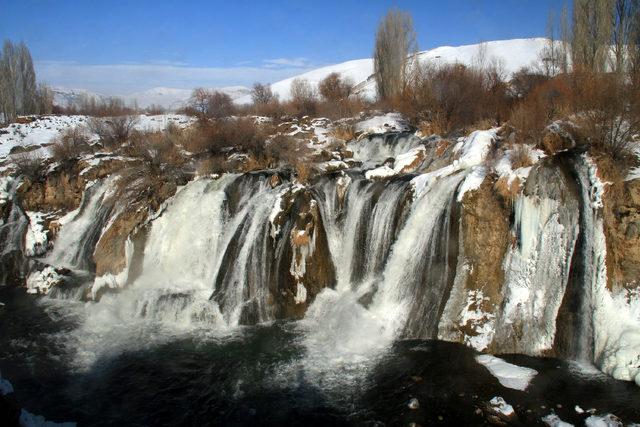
169 98
514 54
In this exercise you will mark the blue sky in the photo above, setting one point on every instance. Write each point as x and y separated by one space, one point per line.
118 46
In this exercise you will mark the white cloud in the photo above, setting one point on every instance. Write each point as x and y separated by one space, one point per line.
120 79
286 62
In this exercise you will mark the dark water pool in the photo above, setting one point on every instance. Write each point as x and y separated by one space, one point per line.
258 376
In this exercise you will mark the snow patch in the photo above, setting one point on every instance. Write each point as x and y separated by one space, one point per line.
472 182
383 123
552 420
480 321
41 282
37 237
509 375
608 420
301 294
380 172
409 161
500 405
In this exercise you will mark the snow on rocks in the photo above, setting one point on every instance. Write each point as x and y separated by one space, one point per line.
607 420
501 406
114 280
552 420
409 161
380 172
383 123
41 282
37 237
509 375
481 322
42 130
473 149
473 181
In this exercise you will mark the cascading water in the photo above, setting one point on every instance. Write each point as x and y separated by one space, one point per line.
245 267
418 275
410 280
575 321
82 228
362 223
13 226
378 148
537 266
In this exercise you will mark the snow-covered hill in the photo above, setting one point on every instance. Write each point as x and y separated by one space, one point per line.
514 54
65 97
166 97
172 98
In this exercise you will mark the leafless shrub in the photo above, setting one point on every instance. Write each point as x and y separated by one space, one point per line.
334 88
607 112
29 165
520 156
508 189
113 131
304 100
157 150
155 109
211 103
262 94
221 136
344 131
70 144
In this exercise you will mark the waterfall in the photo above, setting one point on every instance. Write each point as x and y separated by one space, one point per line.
410 277
418 274
537 266
362 224
378 148
81 229
13 226
245 267
575 321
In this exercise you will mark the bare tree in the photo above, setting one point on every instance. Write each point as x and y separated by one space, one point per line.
220 105
211 103
592 27
334 88
303 96
565 39
262 94
623 14
199 100
395 42
44 99
549 55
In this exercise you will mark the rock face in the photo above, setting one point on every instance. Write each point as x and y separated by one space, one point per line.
477 294
310 268
61 189
621 211
130 214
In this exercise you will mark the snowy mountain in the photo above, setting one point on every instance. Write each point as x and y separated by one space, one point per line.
65 97
173 98
168 98
513 54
